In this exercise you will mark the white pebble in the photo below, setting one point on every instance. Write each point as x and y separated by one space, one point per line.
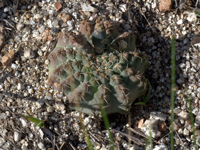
41 29
55 23
86 121
41 145
49 23
70 23
87 7
14 66
192 17
1 86
59 95
30 91
49 96
158 116
19 26
38 16
160 147
20 86
35 33
24 123
184 32
123 7
2 141
154 4
50 109
16 136
24 146
30 135
38 104
185 131
6 9
177 110
46 61
40 52
51 12
182 65
183 114
180 21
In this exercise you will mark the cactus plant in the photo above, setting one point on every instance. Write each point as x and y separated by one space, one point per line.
98 66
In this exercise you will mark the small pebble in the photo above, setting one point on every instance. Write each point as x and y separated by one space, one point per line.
60 106
54 31
158 116
14 66
180 22
192 17
7 58
57 6
183 114
41 29
49 96
55 23
2 141
16 136
65 17
6 9
198 140
19 26
30 91
24 123
160 147
50 109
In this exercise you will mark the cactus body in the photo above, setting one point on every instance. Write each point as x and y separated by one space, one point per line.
113 78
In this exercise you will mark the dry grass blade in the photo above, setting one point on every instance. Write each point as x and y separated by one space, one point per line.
57 147
8 23
72 146
137 132
93 136
141 134
62 145
134 139
46 131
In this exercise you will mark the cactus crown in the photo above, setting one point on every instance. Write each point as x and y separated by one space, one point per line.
98 66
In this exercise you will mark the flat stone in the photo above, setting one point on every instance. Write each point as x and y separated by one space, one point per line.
140 123
64 17
165 5
57 6
183 114
7 58
158 116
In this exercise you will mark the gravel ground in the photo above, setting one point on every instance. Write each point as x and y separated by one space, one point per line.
29 28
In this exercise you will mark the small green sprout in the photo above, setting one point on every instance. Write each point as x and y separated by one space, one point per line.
40 123
197 13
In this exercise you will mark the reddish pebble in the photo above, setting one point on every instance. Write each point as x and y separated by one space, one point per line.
57 6
7 58
165 5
